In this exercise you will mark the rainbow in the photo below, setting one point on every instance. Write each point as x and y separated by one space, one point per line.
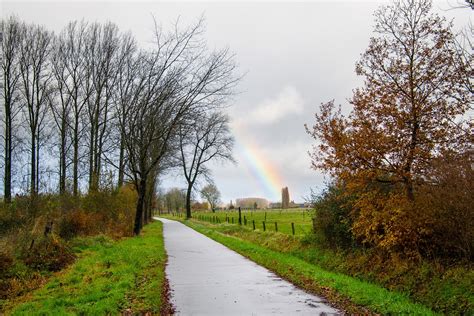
260 168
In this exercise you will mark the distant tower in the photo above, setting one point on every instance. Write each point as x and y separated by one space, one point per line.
285 198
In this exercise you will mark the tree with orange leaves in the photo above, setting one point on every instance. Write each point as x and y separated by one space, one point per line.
410 111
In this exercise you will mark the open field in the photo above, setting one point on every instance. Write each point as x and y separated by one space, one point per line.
301 219
110 277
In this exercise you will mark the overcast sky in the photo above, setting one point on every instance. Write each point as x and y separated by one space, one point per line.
294 56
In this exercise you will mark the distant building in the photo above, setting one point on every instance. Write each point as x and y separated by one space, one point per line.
276 205
250 203
292 204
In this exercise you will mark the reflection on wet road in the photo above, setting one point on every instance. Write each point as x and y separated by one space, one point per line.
207 278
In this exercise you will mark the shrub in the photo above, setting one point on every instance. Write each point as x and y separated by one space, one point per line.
108 212
437 224
449 201
6 263
47 253
71 225
332 222
391 223
10 218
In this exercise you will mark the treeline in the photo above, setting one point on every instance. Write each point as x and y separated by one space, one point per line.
402 159
87 108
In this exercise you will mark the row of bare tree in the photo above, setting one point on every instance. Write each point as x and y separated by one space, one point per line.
91 99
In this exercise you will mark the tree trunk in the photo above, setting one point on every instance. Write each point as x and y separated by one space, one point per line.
140 207
188 200
95 150
62 159
75 159
33 165
101 132
144 216
37 160
145 210
8 154
91 157
409 190
121 162
151 196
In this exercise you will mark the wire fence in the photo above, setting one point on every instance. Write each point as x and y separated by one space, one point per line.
283 226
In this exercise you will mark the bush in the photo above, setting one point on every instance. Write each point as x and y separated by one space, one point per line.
449 200
388 221
109 213
332 223
6 261
437 224
69 226
10 218
47 253
16 278
39 234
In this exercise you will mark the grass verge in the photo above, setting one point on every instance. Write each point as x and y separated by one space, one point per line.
110 277
348 293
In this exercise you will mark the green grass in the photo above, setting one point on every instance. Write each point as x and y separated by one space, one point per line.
352 294
301 218
108 278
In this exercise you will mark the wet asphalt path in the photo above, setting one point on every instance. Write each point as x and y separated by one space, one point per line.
207 278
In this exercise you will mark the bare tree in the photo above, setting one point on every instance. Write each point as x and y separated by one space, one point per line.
11 39
147 129
34 64
176 81
175 199
126 72
207 139
212 195
72 74
465 48
60 101
461 4
102 48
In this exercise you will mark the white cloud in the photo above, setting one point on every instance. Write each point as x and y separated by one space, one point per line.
271 110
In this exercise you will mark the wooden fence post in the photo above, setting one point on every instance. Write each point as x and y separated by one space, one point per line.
240 216
253 223
264 228
276 226
293 228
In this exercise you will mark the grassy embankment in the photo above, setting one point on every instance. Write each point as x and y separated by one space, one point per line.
342 278
109 277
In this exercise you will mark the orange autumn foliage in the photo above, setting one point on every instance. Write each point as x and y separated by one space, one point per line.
407 116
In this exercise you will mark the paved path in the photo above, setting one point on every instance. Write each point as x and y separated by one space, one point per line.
207 278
